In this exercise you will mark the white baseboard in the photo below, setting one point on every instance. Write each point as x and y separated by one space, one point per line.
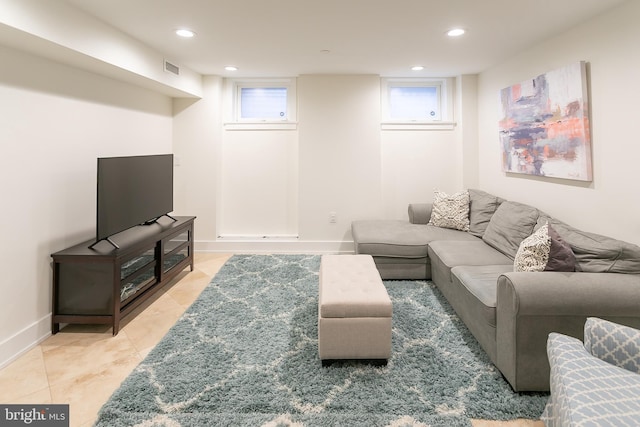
24 340
273 246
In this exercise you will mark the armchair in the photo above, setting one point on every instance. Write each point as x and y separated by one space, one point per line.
598 383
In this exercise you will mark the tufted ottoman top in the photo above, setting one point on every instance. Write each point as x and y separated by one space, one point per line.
350 286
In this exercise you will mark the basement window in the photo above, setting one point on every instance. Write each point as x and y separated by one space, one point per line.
416 104
263 104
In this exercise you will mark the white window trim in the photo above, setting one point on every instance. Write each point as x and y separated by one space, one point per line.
445 88
235 122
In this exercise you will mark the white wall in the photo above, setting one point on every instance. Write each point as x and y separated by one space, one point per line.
258 189
417 162
339 153
467 113
414 164
197 136
288 182
258 177
64 33
54 122
609 205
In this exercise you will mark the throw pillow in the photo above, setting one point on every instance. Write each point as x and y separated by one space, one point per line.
533 252
450 211
544 250
561 256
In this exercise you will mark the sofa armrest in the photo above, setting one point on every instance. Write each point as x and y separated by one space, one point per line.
613 343
532 305
583 386
420 213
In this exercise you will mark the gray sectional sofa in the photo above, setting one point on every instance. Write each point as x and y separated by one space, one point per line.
510 313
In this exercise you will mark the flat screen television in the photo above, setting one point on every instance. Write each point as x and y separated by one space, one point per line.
132 191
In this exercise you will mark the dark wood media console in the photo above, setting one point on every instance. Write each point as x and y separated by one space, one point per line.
101 285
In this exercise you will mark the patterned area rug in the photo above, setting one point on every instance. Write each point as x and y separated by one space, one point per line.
246 354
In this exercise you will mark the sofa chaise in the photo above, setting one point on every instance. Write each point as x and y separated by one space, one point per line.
512 273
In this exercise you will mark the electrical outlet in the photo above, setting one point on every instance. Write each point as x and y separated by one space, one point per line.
332 218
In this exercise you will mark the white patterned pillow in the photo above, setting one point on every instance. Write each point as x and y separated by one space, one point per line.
450 211
533 253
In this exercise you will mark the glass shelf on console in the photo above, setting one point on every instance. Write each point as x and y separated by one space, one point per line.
175 250
137 274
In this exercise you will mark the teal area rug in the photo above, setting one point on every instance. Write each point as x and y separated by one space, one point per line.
246 354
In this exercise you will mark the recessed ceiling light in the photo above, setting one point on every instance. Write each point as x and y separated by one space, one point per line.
231 68
183 32
417 68
455 32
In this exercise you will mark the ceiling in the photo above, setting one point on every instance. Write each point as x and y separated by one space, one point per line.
384 37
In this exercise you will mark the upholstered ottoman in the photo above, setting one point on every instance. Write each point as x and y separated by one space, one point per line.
354 309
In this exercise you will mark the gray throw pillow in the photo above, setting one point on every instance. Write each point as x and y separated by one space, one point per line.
509 226
561 257
482 206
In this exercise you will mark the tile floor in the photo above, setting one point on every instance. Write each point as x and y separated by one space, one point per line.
83 364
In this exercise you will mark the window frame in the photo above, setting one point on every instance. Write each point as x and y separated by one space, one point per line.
238 123
444 91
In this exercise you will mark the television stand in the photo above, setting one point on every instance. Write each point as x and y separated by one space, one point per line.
102 284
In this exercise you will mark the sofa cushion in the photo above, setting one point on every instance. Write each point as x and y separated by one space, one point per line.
388 238
481 282
482 206
595 253
476 252
509 226
454 253
450 210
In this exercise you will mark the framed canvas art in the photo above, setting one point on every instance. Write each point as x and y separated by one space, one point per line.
544 125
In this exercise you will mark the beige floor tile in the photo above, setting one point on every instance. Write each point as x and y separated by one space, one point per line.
87 392
24 377
210 263
41 397
72 335
147 328
81 357
189 288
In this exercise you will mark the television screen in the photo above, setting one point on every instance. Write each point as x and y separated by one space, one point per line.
131 191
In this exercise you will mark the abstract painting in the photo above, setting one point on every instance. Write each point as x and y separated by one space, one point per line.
544 128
